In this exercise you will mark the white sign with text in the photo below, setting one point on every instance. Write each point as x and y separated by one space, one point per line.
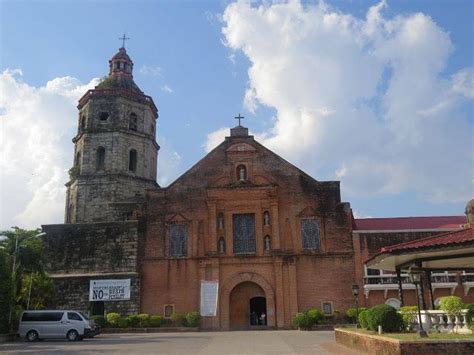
109 290
209 292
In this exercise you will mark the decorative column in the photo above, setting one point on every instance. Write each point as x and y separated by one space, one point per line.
430 288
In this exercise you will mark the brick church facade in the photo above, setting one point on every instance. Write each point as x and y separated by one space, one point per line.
275 240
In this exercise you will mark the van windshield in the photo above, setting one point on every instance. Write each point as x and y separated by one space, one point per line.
84 316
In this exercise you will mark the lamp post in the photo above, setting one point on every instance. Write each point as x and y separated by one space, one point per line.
415 278
355 293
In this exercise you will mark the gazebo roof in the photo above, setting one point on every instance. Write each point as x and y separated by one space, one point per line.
444 251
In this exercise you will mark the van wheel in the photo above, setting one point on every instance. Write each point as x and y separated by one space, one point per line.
32 335
72 335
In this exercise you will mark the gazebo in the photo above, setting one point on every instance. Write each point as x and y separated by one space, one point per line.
443 252
448 251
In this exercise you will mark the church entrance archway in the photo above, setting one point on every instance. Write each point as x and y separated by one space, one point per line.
246 305
258 311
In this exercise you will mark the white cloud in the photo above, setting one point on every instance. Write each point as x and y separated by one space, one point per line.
151 70
167 89
37 124
361 100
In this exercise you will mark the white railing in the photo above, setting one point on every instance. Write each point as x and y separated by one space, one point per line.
440 321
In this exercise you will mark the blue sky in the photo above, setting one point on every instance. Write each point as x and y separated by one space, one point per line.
198 74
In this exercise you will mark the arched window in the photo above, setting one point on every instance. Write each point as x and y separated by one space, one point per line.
82 124
266 218
100 159
152 129
132 124
241 173
132 160
103 116
267 243
221 245
77 162
220 221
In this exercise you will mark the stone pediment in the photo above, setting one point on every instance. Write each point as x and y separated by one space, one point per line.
176 218
241 147
307 212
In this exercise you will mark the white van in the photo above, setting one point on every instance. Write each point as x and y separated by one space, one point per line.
72 325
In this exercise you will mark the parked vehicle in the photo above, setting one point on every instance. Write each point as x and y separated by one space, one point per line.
72 325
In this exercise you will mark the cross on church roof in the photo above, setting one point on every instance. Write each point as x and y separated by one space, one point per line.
239 117
124 38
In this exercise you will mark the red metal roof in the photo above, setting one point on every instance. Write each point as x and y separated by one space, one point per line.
410 223
440 240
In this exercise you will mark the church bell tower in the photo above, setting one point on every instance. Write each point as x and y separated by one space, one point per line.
115 150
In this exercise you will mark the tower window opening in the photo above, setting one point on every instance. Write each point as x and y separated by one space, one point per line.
241 173
82 123
103 116
132 124
100 159
132 160
77 162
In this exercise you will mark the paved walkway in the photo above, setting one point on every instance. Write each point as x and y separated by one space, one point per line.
205 343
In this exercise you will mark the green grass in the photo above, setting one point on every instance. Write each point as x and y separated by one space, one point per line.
415 337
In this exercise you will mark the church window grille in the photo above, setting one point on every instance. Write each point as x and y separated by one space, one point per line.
132 124
220 221
327 308
168 311
100 158
244 233
132 160
103 116
310 233
241 173
266 218
221 245
178 239
267 243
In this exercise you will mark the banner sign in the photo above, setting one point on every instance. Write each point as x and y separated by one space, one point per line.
109 290
209 292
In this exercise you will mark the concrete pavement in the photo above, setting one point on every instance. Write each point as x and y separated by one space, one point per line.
208 343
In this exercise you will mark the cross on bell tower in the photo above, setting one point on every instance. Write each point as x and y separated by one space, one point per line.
123 39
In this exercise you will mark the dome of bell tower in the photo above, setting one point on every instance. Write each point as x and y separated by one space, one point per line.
120 73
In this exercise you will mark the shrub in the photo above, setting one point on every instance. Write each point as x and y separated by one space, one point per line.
178 319
351 313
133 320
302 320
470 313
315 315
99 321
363 318
113 319
408 316
452 305
192 319
124 322
143 320
155 321
386 316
